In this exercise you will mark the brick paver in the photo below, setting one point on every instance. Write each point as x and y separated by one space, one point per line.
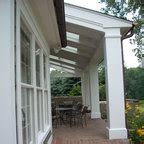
94 133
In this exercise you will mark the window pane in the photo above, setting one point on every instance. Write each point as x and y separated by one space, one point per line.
40 110
37 54
26 95
25 57
45 79
46 108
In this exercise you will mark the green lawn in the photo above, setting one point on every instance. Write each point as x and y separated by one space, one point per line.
141 105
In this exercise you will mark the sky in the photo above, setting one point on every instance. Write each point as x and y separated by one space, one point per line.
130 60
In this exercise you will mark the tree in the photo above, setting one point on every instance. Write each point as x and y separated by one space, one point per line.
135 8
61 85
134 83
102 90
76 91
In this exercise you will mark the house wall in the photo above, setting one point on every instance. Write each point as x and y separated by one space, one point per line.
7 75
33 100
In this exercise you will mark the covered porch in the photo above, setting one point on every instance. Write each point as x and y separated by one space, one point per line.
93 37
33 39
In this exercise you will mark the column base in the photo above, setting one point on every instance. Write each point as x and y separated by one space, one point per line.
95 115
116 133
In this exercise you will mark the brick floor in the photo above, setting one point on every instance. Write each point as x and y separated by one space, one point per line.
94 133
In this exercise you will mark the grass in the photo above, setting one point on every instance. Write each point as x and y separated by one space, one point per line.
141 105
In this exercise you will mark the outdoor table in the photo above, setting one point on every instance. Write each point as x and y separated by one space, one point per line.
62 111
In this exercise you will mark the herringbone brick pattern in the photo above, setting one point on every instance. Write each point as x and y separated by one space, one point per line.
94 133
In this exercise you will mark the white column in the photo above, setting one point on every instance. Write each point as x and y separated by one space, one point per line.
87 90
94 86
83 88
116 128
7 79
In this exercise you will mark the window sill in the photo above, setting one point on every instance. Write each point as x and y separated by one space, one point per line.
42 135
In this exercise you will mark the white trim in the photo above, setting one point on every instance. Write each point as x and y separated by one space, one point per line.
113 36
49 91
95 115
116 133
18 74
34 90
84 22
89 11
26 85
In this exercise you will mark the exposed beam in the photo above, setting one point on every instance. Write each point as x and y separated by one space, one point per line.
88 32
64 66
80 46
82 40
77 52
66 63
65 70
70 56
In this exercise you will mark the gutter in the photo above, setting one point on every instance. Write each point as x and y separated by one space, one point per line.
128 34
60 16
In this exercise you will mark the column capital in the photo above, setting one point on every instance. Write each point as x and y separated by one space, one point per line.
112 33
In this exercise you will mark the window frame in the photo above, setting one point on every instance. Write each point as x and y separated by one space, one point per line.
22 16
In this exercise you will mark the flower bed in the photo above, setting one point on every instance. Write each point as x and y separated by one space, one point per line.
135 123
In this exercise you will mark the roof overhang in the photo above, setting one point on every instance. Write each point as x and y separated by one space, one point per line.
51 20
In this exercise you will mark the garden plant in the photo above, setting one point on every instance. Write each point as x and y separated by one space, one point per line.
135 123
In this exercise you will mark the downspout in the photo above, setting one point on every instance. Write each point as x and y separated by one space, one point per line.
125 36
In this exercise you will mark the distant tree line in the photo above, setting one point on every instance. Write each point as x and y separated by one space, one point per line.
71 86
134 83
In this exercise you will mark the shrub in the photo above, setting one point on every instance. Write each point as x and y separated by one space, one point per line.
135 122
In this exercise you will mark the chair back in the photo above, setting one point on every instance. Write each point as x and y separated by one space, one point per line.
84 109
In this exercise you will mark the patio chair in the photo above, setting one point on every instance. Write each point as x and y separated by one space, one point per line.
80 116
55 116
71 115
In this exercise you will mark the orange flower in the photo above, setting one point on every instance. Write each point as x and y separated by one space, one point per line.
140 132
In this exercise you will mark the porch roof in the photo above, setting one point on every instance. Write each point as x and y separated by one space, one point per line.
85 32
85 38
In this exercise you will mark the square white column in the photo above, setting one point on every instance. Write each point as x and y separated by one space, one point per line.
87 89
94 87
83 88
7 74
86 95
116 128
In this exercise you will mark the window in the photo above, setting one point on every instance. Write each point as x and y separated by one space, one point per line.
32 88
25 57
